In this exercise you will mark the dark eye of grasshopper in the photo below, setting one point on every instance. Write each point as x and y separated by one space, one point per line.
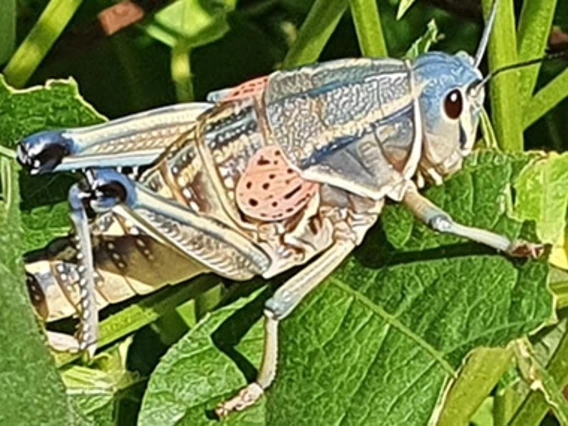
453 104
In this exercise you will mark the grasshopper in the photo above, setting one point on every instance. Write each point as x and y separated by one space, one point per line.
277 172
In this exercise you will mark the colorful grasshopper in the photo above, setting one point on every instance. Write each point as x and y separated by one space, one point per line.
264 177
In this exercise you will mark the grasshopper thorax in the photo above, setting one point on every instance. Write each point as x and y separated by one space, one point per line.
450 102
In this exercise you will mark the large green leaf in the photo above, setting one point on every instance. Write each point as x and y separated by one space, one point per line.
542 197
380 340
32 392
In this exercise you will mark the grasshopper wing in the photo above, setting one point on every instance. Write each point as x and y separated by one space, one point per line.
352 123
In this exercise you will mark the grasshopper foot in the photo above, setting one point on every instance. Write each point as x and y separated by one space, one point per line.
521 248
246 397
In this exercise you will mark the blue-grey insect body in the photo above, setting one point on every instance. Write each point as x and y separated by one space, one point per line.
285 170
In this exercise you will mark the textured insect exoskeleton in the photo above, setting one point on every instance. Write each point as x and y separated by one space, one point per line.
263 177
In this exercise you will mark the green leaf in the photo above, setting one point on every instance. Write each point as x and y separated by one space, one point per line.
315 32
195 375
97 389
380 340
57 105
369 28
27 371
542 197
546 383
528 407
192 22
425 42
403 7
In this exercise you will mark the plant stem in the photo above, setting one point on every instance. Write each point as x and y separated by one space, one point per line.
534 29
145 312
546 99
315 32
181 72
39 41
477 378
7 29
505 105
368 26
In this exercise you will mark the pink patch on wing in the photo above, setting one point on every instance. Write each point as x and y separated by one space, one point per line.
270 190
253 87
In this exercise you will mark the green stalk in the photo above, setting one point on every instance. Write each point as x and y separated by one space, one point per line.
505 101
181 72
546 99
505 403
315 32
145 312
476 379
8 153
39 41
534 30
368 26
7 29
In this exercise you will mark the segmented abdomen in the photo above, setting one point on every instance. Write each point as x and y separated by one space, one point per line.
127 263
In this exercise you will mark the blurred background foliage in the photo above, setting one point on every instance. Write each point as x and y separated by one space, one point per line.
182 51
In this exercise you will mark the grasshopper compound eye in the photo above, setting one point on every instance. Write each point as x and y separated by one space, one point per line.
453 104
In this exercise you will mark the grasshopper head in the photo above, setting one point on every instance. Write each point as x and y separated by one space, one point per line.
451 98
451 102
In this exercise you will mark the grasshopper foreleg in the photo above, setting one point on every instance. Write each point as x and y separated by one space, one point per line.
277 308
441 221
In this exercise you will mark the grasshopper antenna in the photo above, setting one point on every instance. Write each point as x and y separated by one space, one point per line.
549 57
486 34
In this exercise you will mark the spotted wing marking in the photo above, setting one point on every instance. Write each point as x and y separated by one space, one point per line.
270 190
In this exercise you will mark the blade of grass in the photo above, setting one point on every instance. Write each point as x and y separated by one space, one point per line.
403 7
546 99
181 72
550 381
368 26
505 106
315 32
39 41
7 29
534 29
145 312
488 132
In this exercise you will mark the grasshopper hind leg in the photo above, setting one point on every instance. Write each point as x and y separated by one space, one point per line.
280 306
